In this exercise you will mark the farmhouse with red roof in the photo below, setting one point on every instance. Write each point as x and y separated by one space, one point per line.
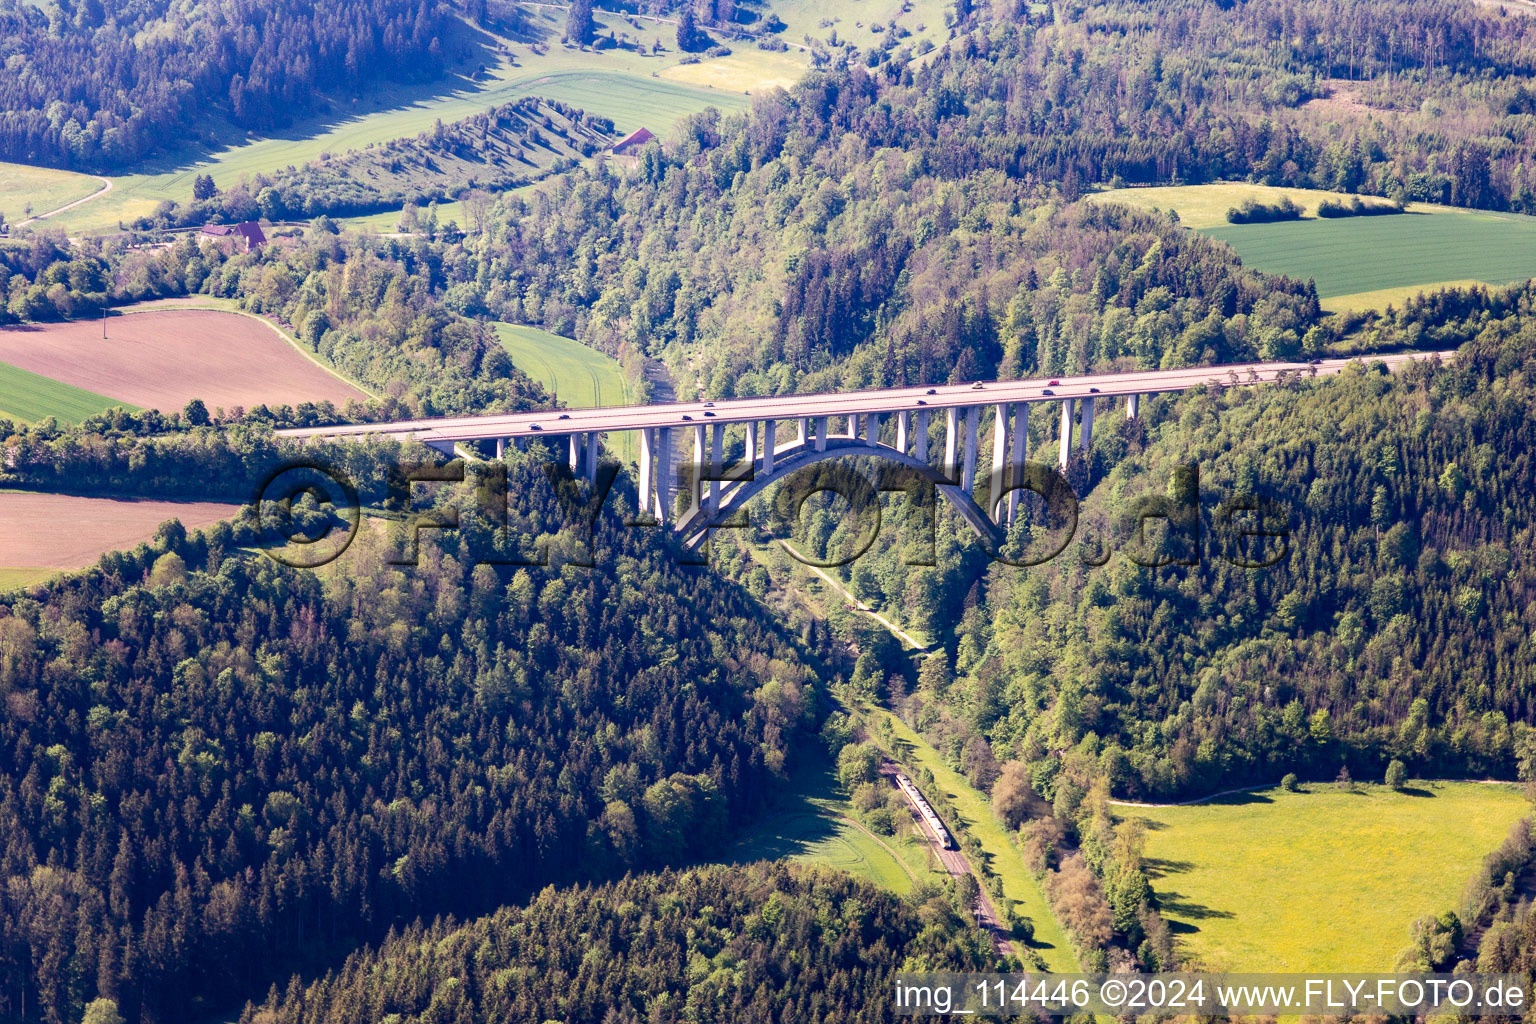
248 233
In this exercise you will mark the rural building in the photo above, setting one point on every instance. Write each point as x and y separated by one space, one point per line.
248 233
630 144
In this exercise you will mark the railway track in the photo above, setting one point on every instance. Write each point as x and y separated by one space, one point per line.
955 864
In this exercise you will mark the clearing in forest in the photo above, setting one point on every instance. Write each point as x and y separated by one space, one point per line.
1330 879
812 821
1356 262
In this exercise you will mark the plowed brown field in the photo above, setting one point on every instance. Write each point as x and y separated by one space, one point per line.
163 359
61 531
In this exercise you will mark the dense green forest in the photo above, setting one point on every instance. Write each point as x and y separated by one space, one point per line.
98 86
762 943
214 770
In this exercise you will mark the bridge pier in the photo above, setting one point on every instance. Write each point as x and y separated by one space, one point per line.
968 473
501 448
951 444
716 462
999 459
873 426
662 475
1132 406
696 484
647 482
1066 433
592 439
821 433
1086 440
901 431
921 432
769 440
1020 453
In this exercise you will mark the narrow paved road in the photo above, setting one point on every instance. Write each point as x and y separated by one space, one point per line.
106 186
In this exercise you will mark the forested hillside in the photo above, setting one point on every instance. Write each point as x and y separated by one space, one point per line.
214 770
761 943
98 85
1394 627
217 775
884 206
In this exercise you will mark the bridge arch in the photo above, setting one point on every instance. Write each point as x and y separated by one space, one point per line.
736 494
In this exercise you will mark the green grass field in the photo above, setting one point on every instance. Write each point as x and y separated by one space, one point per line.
1206 206
1325 880
812 821
617 84
854 21
17 577
1367 254
388 222
30 397
26 191
978 820
581 377
1357 262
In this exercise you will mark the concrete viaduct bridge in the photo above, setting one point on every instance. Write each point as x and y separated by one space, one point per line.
786 433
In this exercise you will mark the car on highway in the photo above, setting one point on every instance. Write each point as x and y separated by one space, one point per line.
1054 383
1046 391
931 391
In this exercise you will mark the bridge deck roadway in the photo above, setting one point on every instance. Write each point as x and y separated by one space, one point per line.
792 407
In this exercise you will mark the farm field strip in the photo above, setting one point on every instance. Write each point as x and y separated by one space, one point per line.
48 532
165 358
29 397
1363 254
26 191
1381 298
1326 879
1356 262
1206 206
581 377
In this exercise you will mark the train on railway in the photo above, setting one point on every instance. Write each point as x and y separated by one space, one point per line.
926 812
